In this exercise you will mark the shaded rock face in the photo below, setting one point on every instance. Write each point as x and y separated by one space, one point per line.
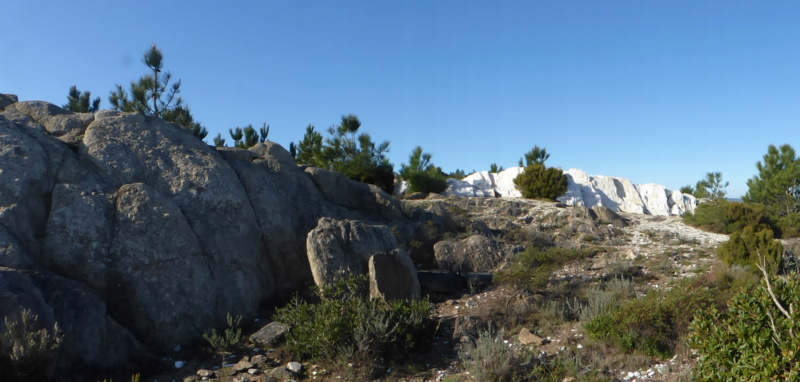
392 276
135 236
339 248
476 253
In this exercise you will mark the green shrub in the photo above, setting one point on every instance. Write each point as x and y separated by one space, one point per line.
600 301
540 182
743 248
721 216
789 225
433 180
755 339
532 269
345 323
228 340
26 354
422 175
653 324
491 359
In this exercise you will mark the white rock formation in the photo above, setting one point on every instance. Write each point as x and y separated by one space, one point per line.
486 184
617 194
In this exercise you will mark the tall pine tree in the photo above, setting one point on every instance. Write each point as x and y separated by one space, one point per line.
154 95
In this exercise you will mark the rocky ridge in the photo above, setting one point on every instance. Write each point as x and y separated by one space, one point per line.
617 194
137 238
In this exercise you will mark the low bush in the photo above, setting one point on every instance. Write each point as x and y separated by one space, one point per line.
229 339
755 338
653 324
532 269
344 323
422 175
605 299
722 216
743 248
491 359
540 182
432 180
789 225
26 354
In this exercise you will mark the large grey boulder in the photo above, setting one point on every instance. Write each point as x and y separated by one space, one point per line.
7 99
368 199
392 276
135 236
131 148
157 271
270 334
476 253
91 338
62 124
338 248
287 205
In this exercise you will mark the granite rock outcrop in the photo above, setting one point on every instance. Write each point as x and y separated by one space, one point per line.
136 237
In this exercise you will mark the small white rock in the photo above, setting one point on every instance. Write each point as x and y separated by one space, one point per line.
179 364
294 367
177 348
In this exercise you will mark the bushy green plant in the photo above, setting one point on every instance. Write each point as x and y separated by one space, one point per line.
490 359
756 339
26 354
540 182
776 186
789 225
422 175
653 324
228 340
78 102
606 299
743 248
247 137
345 323
721 216
355 156
532 269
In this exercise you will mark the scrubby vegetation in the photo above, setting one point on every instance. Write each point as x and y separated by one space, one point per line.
754 337
654 324
749 246
532 269
26 353
229 339
344 325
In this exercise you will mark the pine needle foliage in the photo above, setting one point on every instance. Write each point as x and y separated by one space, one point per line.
78 102
228 340
540 182
155 95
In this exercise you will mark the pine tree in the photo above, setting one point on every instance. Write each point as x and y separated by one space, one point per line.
537 155
80 102
777 184
153 95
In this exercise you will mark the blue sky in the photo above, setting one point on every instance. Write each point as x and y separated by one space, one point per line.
654 91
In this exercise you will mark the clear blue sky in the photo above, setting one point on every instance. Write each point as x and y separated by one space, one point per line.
654 91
